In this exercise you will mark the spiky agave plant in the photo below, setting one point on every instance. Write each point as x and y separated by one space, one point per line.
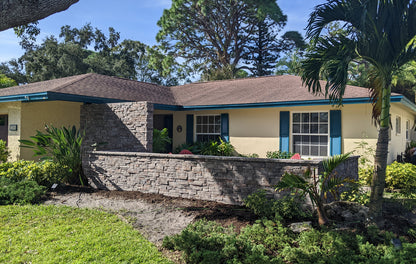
317 186
62 145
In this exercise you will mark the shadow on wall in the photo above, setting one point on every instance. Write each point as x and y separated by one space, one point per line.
116 127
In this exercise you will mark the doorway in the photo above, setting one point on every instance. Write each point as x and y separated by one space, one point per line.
4 123
164 121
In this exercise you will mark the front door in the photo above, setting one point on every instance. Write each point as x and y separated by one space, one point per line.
3 127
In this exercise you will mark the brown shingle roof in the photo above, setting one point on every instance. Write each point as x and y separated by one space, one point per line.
284 88
99 86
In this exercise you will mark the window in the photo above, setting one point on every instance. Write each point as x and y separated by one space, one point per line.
310 133
398 125
208 127
407 129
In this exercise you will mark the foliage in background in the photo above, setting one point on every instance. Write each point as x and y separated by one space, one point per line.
286 208
270 242
407 155
4 151
62 145
19 191
87 49
214 37
213 148
6 81
60 234
279 154
160 140
317 186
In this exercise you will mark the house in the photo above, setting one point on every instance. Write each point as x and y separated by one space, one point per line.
255 114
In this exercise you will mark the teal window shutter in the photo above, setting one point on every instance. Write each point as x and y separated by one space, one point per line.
335 132
225 134
284 131
189 129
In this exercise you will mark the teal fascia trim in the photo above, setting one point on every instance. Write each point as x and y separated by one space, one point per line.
25 97
364 100
406 102
168 107
81 98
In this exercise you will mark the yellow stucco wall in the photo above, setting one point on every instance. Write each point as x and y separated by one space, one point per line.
34 116
256 130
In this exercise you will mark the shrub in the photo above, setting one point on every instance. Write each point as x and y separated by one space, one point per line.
19 192
4 151
398 176
160 140
279 155
401 176
62 145
213 148
45 173
288 207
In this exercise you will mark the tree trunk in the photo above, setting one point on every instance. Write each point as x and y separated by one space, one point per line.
322 218
15 13
380 160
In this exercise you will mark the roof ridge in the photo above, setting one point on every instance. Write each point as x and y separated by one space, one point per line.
235 79
126 79
72 82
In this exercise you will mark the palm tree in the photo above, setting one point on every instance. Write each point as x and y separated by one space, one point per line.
380 32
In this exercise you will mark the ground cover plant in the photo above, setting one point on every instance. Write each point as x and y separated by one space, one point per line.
51 234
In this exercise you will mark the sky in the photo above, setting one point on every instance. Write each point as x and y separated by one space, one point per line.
134 19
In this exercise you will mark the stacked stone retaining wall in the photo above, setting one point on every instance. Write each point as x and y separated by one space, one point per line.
222 179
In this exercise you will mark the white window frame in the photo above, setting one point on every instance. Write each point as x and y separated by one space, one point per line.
196 134
398 126
292 134
407 129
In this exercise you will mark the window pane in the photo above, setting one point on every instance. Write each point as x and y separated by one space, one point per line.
211 119
314 117
305 139
315 140
296 140
305 150
211 129
305 117
297 148
314 151
314 128
198 129
217 120
323 151
323 117
205 119
323 140
296 117
323 129
305 128
199 119
205 129
217 129
296 128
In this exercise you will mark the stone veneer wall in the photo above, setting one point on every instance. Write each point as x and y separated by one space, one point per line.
118 126
222 179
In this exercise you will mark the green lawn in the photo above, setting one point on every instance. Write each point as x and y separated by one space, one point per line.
51 234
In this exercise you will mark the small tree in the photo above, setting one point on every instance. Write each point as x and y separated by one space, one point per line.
317 186
62 145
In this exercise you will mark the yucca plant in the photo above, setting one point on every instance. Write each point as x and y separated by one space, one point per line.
317 186
62 145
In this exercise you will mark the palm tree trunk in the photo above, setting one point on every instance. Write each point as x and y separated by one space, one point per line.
380 159
322 217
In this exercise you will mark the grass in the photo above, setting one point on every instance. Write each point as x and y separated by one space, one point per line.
51 234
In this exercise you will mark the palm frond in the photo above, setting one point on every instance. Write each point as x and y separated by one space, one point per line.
331 163
329 60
